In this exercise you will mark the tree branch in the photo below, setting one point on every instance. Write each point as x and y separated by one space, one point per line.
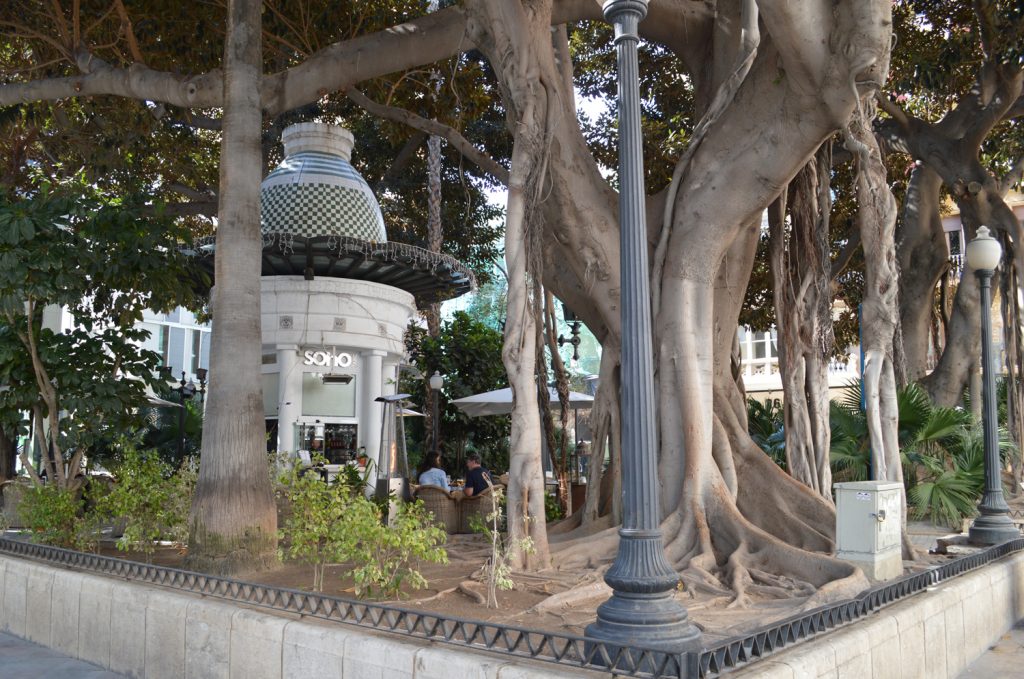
453 137
1007 181
401 161
192 193
129 32
845 255
335 68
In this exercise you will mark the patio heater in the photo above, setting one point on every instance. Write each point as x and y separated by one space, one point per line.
642 609
994 524
393 465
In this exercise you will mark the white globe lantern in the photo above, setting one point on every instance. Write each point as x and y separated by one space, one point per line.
984 252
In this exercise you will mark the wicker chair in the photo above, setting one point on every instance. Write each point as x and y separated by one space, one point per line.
441 504
478 505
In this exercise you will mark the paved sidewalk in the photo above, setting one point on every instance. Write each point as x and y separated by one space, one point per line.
1005 660
20 659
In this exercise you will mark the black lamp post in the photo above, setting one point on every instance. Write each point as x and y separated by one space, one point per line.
436 382
993 525
186 390
574 338
642 609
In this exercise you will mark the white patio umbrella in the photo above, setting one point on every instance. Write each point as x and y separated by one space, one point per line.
499 402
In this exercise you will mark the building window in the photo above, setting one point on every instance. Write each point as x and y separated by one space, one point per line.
157 341
759 351
197 350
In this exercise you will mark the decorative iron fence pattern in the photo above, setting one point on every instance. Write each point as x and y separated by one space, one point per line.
743 649
563 649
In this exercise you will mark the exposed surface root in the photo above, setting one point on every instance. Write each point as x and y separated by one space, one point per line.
572 597
466 587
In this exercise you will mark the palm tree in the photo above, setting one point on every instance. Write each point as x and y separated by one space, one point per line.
941 449
233 522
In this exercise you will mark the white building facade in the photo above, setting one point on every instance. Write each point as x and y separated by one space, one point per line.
336 298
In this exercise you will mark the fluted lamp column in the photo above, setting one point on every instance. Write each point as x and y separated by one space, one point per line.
993 525
642 610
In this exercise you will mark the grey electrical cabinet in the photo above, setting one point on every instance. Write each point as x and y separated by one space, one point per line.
868 522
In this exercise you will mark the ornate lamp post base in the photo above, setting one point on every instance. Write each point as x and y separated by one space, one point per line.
642 610
992 529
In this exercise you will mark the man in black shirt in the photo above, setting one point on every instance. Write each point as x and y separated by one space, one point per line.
477 477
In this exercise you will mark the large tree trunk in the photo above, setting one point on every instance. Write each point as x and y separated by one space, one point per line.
923 254
526 28
801 275
8 456
233 522
726 535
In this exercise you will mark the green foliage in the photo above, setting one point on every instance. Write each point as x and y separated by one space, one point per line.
106 260
151 498
942 451
552 508
317 529
338 524
468 354
384 555
54 517
163 426
765 422
953 479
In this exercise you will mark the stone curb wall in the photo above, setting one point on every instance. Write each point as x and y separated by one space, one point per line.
931 635
148 631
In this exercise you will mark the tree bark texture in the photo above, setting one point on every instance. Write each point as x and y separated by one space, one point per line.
923 255
233 521
8 456
801 276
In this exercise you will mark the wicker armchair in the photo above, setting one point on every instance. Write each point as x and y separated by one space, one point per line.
441 504
478 505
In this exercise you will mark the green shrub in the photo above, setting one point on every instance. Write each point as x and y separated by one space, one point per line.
54 517
384 556
338 524
552 508
152 500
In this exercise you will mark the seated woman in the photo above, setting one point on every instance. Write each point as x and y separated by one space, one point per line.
430 472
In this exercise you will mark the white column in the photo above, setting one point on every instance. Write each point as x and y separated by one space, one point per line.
371 379
289 397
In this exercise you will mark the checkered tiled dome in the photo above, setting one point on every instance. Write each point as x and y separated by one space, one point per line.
315 191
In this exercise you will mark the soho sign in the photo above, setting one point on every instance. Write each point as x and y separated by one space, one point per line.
327 358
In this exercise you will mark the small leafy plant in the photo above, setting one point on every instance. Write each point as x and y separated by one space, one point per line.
152 500
497 572
54 517
385 556
315 531
338 524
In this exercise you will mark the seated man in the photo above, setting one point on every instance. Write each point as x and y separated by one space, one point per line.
477 477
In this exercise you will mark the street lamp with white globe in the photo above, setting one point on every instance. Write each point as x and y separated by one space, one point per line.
436 382
993 526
